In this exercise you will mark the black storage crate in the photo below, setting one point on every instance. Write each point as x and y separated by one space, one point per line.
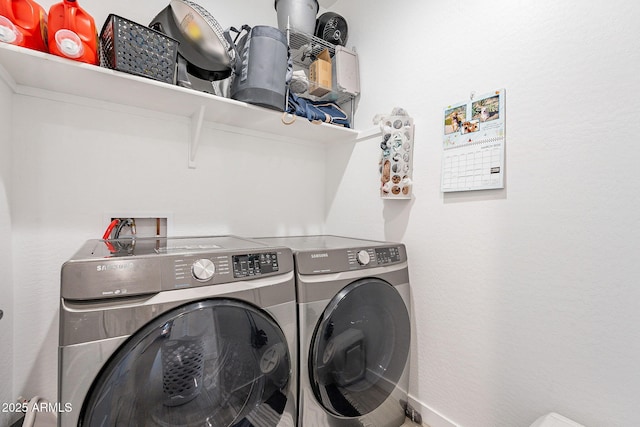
136 49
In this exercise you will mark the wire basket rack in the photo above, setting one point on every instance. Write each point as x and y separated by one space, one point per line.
304 49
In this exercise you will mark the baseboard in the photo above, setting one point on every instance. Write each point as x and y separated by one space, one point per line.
430 417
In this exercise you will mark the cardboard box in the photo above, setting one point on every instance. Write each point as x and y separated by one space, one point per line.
320 74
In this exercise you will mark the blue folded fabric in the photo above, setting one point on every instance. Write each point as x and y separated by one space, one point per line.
322 111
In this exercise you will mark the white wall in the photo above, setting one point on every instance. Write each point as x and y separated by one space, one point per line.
525 299
6 281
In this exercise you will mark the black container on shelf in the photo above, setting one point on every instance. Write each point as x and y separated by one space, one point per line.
135 49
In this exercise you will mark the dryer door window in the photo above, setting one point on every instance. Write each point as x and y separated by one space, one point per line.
212 363
360 347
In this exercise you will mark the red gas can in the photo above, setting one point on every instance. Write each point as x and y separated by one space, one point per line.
23 23
72 32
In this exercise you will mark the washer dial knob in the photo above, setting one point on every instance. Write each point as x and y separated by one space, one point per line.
363 257
203 269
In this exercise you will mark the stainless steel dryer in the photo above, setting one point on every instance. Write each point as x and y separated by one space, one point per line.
178 332
354 330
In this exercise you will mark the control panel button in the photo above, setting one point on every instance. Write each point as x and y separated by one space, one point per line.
363 257
203 269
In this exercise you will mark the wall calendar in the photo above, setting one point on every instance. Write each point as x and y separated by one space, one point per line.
473 144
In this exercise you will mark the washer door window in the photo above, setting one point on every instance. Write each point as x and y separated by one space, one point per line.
359 348
214 363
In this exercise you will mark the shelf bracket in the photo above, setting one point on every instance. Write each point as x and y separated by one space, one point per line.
368 134
197 119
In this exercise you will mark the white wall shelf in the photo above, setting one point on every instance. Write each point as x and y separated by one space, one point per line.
25 69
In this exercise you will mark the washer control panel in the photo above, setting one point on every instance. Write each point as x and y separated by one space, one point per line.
210 269
199 268
254 264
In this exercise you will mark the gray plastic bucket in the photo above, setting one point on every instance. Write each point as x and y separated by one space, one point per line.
300 13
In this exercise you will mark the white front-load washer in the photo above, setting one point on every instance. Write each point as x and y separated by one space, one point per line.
354 330
178 332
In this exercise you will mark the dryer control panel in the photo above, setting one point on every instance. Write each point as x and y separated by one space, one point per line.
373 257
336 260
387 255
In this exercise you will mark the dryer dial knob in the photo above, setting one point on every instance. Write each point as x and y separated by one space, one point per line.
203 269
363 257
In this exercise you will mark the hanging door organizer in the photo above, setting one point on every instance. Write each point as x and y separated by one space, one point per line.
396 160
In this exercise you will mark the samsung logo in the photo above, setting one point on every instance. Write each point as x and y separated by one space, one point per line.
114 267
322 255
